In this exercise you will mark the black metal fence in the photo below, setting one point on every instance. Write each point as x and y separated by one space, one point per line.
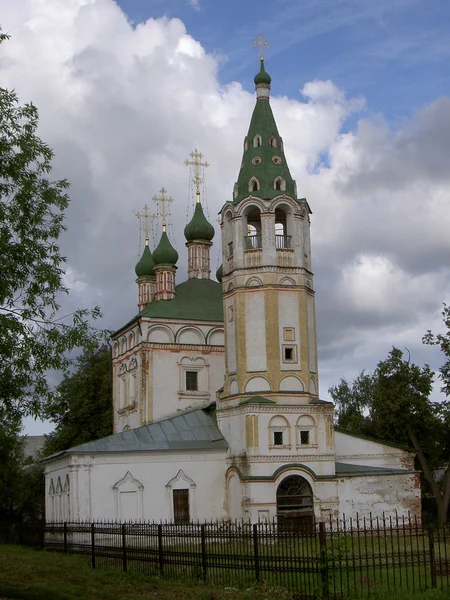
352 558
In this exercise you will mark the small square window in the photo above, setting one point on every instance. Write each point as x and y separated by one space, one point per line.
277 438
192 381
289 354
304 438
289 334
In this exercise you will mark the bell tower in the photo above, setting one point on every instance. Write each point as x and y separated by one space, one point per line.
269 409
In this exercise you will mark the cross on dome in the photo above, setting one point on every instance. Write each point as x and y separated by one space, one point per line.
163 203
262 44
198 167
145 222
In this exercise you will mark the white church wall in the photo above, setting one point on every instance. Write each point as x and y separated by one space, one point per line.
255 334
360 451
289 331
139 486
377 495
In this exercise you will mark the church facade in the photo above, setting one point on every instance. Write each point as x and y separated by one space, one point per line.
217 413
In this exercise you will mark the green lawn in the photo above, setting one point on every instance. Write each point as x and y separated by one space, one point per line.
34 575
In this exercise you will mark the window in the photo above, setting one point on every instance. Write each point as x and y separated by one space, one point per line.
304 438
192 380
289 354
181 506
279 435
273 141
256 160
279 184
257 141
277 438
253 185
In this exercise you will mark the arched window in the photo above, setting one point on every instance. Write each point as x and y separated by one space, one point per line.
283 226
294 498
279 433
273 141
253 185
306 431
279 184
257 141
245 144
235 190
253 239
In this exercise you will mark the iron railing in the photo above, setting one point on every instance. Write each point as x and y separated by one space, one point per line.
283 242
253 242
355 558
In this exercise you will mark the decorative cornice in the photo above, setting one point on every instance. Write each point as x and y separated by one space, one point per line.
273 408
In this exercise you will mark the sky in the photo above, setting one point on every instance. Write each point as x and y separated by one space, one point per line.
360 93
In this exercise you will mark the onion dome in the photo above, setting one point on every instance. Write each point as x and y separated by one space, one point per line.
219 274
199 227
262 77
165 253
145 266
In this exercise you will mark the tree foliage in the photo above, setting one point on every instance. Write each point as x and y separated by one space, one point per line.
393 404
34 338
81 407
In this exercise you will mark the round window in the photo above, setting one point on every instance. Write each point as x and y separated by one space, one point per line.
256 160
276 160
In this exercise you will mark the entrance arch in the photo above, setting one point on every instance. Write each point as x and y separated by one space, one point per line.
295 501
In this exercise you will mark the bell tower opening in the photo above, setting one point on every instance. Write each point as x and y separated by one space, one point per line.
283 227
253 239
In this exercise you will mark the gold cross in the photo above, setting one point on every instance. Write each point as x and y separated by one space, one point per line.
261 43
197 166
163 203
145 222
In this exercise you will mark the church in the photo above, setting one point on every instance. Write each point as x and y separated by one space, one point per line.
217 413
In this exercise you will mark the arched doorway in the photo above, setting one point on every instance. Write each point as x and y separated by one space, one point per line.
295 502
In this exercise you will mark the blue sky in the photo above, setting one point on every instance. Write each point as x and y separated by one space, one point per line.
395 53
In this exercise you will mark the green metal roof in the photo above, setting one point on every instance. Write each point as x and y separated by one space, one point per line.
194 430
263 76
165 253
348 470
199 228
145 266
257 400
195 299
265 162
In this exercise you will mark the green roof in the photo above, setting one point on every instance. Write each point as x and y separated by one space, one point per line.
199 227
257 400
195 299
263 76
348 470
219 273
265 162
145 266
165 253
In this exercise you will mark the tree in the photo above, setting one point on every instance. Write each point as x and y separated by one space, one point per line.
393 404
82 404
34 338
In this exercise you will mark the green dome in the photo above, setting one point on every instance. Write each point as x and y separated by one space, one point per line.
165 253
219 274
198 227
262 76
145 266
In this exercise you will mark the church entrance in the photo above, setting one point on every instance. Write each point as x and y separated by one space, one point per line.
295 504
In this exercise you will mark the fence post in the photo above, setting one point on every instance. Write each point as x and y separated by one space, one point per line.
203 537
160 549
93 544
124 547
65 537
42 533
323 561
256 550
432 559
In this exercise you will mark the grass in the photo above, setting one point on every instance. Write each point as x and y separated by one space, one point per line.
35 575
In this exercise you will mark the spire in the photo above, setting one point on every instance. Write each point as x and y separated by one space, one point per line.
264 171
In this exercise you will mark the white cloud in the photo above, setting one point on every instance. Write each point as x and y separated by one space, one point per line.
122 107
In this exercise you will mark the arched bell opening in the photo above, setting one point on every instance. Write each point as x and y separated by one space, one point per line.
283 226
295 503
253 238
